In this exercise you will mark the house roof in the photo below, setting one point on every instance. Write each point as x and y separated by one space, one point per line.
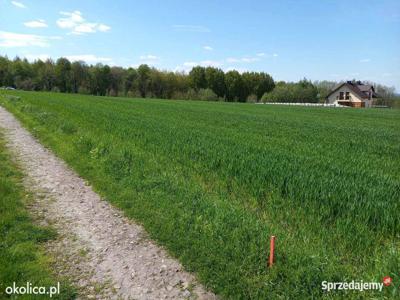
360 89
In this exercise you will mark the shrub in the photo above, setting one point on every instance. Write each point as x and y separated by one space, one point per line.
191 95
252 98
207 95
302 91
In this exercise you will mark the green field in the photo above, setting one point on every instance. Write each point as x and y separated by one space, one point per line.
22 258
213 181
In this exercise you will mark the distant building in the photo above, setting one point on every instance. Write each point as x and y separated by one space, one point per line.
354 94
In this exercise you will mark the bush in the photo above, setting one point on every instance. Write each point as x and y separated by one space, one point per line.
178 96
191 95
252 98
201 94
83 90
301 92
207 95
25 84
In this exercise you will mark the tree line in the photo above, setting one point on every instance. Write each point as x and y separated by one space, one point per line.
201 83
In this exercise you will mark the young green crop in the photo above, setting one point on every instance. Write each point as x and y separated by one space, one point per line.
212 182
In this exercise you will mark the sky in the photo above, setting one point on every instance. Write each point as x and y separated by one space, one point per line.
318 40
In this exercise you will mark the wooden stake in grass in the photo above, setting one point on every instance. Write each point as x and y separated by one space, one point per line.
271 251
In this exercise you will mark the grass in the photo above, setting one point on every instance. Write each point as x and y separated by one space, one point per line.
22 258
213 181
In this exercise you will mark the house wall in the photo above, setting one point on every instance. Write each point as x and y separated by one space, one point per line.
353 97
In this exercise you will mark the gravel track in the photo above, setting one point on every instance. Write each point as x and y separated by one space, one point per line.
105 254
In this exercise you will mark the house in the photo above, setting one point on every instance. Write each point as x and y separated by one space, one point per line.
352 93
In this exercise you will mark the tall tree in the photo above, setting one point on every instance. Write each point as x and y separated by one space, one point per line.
197 78
100 79
49 75
235 89
63 74
22 74
79 76
116 79
257 83
143 79
130 80
215 79
6 78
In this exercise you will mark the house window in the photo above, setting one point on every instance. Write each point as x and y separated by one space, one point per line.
347 95
341 96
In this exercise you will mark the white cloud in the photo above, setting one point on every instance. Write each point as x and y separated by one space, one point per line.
190 64
208 48
10 39
211 63
149 57
33 57
89 58
72 20
187 66
365 60
191 28
242 59
78 25
103 28
232 60
18 4
85 28
249 59
203 63
36 24
240 70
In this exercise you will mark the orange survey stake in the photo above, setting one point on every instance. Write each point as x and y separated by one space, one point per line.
271 250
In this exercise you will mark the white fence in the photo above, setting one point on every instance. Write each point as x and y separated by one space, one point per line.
304 104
